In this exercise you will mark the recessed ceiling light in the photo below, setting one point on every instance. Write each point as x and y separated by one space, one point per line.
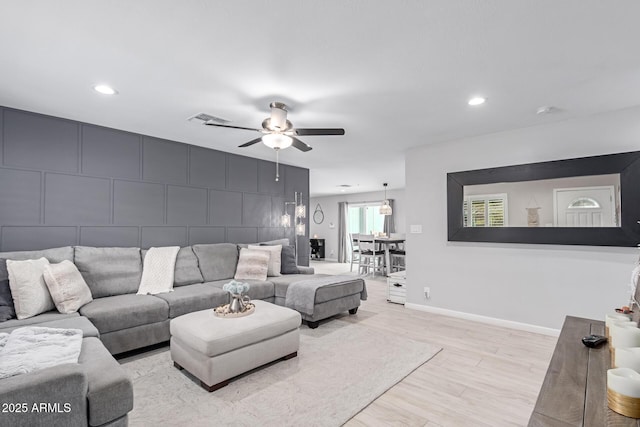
105 90
477 100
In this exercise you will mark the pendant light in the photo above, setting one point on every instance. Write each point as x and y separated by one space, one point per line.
385 209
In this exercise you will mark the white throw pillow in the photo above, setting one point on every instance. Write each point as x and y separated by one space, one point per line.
158 270
252 264
28 289
275 261
68 289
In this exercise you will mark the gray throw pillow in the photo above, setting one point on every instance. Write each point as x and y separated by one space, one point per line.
288 264
288 260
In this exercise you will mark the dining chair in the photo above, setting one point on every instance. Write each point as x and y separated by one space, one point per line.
355 249
371 257
397 253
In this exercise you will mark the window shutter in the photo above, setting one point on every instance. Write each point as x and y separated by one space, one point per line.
478 213
495 208
485 211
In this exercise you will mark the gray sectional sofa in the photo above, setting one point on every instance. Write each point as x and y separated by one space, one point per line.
118 320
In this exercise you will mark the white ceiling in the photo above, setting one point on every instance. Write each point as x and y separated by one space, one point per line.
395 74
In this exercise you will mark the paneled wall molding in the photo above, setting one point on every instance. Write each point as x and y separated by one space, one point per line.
70 183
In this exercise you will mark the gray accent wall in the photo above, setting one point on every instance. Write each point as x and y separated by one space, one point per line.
64 182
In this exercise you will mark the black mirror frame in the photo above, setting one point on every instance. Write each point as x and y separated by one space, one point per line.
626 164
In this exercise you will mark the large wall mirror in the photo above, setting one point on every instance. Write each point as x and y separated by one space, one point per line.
585 201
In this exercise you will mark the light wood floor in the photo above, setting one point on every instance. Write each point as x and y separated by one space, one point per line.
484 376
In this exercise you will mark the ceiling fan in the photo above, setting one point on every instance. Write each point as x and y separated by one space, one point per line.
279 133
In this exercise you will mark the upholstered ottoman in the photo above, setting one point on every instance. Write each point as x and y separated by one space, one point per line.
216 349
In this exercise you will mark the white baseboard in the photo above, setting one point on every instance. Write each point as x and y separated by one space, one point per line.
485 319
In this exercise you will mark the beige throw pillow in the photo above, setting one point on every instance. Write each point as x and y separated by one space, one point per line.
252 264
275 261
28 289
68 289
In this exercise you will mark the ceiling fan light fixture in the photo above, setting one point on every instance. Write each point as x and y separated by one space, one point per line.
278 116
277 141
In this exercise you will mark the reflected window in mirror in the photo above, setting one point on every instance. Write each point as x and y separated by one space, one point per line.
485 210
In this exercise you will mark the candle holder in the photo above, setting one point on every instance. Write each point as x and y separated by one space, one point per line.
623 392
614 317
627 358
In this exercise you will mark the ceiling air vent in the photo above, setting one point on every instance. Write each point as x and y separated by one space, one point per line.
204 117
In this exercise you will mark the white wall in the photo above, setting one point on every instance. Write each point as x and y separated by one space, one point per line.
534 284
329 206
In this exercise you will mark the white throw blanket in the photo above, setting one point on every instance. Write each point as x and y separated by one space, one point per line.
158 270
33 348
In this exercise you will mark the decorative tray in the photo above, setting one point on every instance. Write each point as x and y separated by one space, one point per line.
223 311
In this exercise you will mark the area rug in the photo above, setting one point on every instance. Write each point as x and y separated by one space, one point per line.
340 369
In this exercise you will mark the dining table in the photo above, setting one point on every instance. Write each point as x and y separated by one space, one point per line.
386 242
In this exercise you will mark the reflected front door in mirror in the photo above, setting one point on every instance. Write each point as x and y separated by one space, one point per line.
584 201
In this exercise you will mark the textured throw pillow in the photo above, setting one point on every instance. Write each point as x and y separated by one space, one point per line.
288 260
28 289
274 258
67 287
158 270
252 264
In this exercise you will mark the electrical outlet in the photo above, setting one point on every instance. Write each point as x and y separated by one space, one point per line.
427 292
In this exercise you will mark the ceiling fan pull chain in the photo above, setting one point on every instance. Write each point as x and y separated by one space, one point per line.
277 165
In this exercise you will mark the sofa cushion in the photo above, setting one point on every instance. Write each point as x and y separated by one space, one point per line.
7 310
110 393
110 271
196 297
281 242
40 318
282 283
258 289
28 289
125 311
68 289
217 261
187 271
76 322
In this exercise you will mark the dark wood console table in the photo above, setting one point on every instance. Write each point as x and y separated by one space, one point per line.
574 391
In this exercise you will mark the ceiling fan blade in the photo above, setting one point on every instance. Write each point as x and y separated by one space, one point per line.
253 141
232 127
303 132
302 146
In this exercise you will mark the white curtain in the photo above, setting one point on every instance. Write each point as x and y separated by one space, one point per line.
343 218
